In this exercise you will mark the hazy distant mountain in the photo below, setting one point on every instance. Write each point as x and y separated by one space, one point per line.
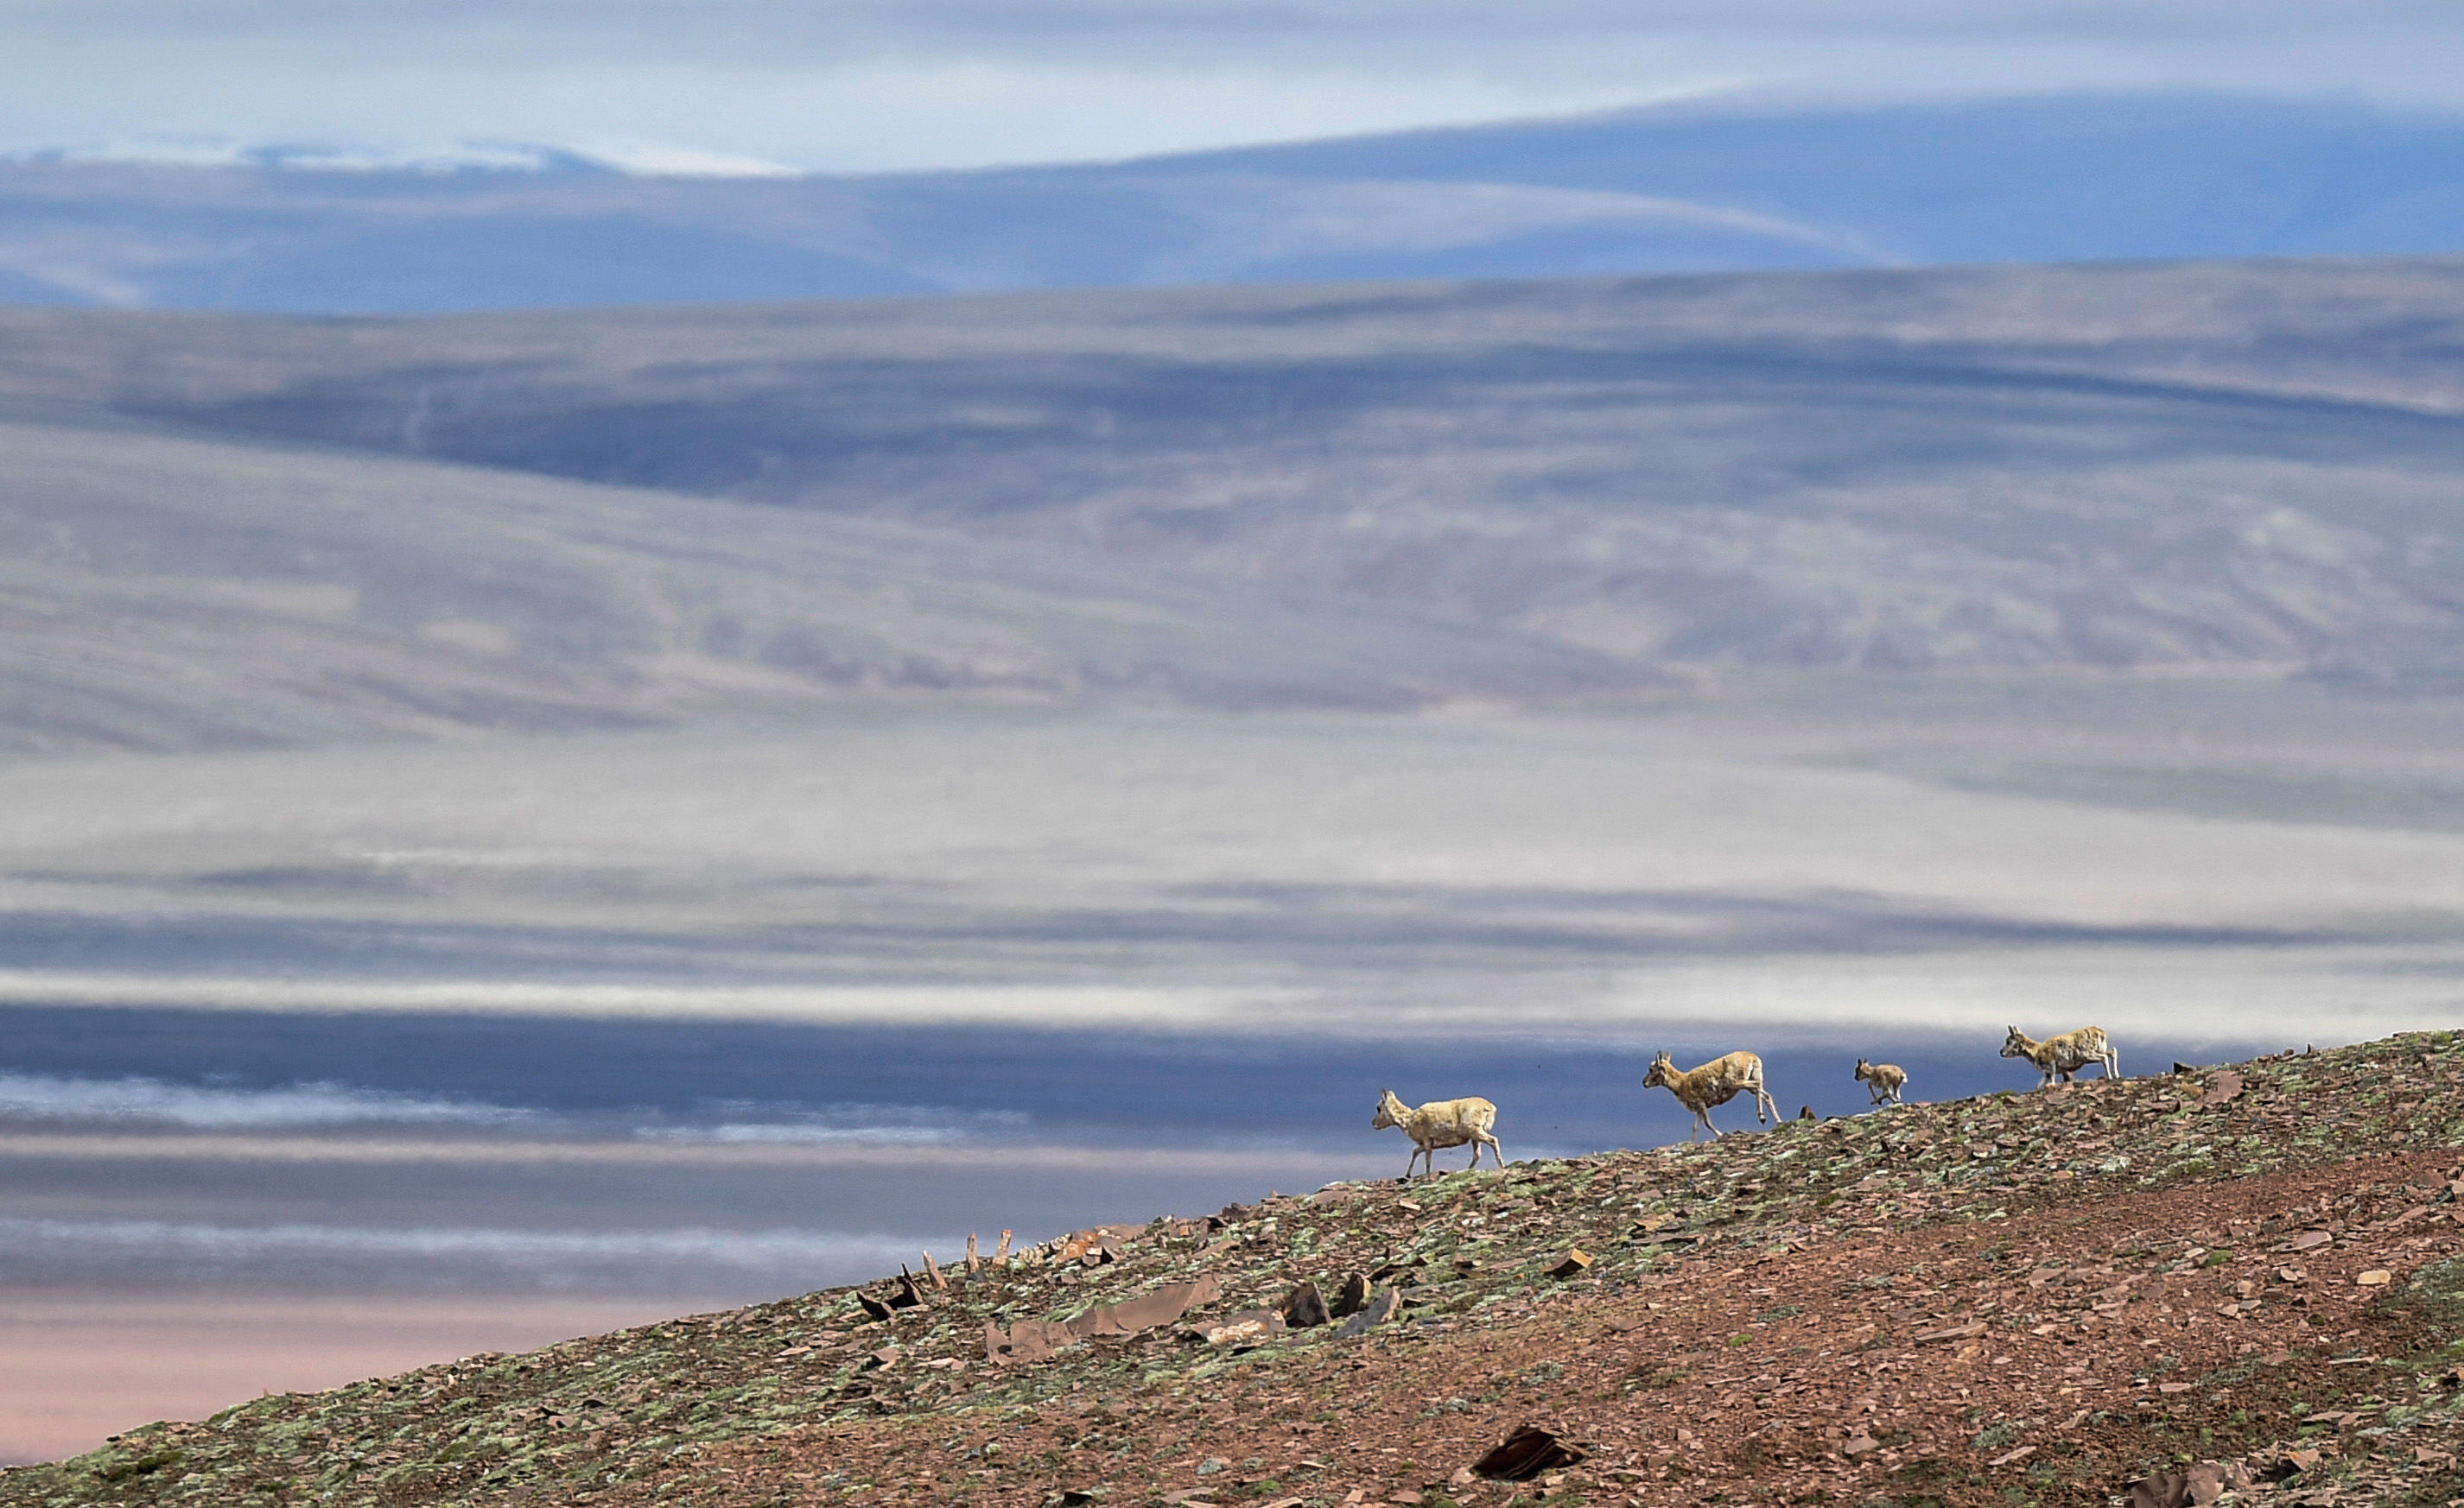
1351 494
170 590
1679 188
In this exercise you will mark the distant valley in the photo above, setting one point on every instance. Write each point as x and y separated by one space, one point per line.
1587 491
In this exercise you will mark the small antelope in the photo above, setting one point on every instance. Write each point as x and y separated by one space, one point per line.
1714 1083
1440 1123
1881 1081
2064 1055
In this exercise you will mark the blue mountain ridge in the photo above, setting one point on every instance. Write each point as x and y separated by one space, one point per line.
2070 178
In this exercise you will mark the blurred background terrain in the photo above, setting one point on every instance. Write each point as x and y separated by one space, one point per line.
1725 183
1552 493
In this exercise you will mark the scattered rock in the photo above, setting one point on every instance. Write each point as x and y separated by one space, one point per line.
874 1308
1094 1246
1381 1310
1525 1454
1576 1260
1036 1339
1156 1309
1355 1298
2289 1465
2195 1487
1957 1332
1026 1340
1247 1327
1304 1309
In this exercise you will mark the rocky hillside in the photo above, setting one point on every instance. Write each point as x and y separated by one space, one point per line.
2240 1282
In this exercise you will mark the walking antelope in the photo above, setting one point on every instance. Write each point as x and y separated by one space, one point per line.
1440 1123
2064 1055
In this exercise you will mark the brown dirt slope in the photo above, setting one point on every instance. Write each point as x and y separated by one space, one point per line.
2020 1298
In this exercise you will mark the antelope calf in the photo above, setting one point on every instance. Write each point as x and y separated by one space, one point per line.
2064 1055
1714 1083
1881 1081
1440 1123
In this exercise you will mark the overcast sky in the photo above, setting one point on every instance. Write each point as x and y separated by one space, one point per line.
879 84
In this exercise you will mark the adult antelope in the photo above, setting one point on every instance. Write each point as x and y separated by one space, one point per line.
2064 1055
1715 1083
1440 1123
